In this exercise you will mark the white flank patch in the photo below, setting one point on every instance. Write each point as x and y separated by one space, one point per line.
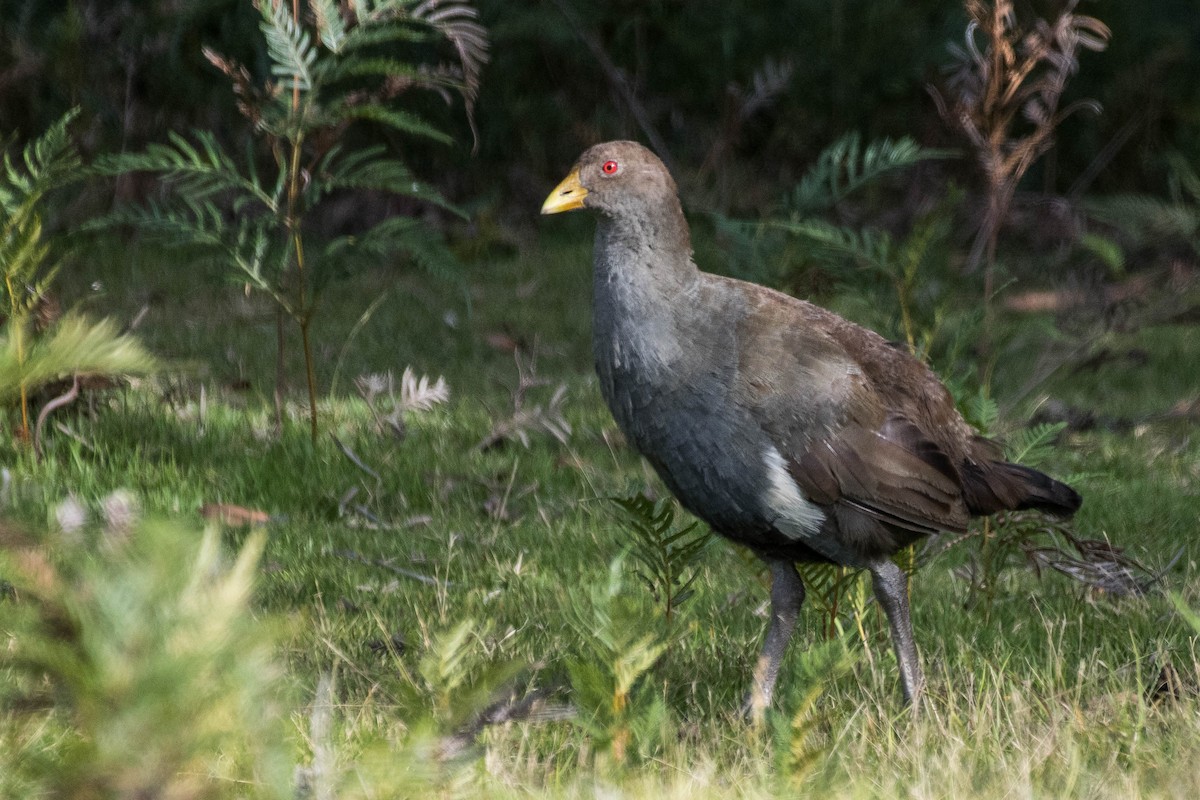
797 517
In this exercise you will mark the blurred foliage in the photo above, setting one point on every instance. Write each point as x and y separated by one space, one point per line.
694 70
37 344
114 635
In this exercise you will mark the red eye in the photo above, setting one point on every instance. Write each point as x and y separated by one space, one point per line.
610 168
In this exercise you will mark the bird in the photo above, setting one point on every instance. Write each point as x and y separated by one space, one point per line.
785 427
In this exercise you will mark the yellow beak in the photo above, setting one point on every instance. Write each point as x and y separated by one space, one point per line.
567 196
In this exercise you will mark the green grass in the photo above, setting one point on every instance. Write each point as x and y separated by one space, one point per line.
1043 694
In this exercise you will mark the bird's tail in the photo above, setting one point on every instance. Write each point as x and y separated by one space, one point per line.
1002 486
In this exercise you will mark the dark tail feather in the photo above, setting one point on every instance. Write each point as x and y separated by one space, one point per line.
1001 486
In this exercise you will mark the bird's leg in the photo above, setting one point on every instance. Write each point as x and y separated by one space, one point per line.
787 595
891 590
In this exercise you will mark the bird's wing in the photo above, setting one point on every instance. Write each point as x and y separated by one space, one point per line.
847 415
892 473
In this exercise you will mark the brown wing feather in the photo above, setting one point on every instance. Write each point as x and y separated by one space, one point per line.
893 474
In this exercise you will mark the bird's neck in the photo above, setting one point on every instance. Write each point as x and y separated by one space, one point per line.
642 279
649 254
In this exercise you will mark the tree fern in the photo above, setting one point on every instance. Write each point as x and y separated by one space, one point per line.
333 67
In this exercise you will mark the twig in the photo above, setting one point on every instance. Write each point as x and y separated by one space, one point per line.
531 708
1106 154
66 398
350 555
354 459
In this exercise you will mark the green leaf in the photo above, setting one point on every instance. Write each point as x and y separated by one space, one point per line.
667 555
374 34
390 237
871 248
1105 249
47 162
378 67
982 412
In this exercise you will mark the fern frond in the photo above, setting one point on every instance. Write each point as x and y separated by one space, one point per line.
330 25
1147 219
199 223
401 121
845 166
369 169
1031 446
871 248
982 411
23 256
365 37
200 170
666 554
621 643
74 345
289 46
459 23
390 237
374 67
45 163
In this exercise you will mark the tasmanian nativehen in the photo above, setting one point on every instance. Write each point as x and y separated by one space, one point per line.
784 426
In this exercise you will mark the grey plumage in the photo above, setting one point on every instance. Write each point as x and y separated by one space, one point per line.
785 427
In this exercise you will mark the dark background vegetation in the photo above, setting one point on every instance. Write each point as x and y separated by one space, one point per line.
137 71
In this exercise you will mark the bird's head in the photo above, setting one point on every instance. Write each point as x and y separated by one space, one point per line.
616 179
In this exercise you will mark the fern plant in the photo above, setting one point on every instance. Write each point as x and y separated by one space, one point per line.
71 345
800 737
333 65
622 643
667 555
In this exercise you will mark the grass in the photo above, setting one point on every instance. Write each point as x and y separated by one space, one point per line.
1044 695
